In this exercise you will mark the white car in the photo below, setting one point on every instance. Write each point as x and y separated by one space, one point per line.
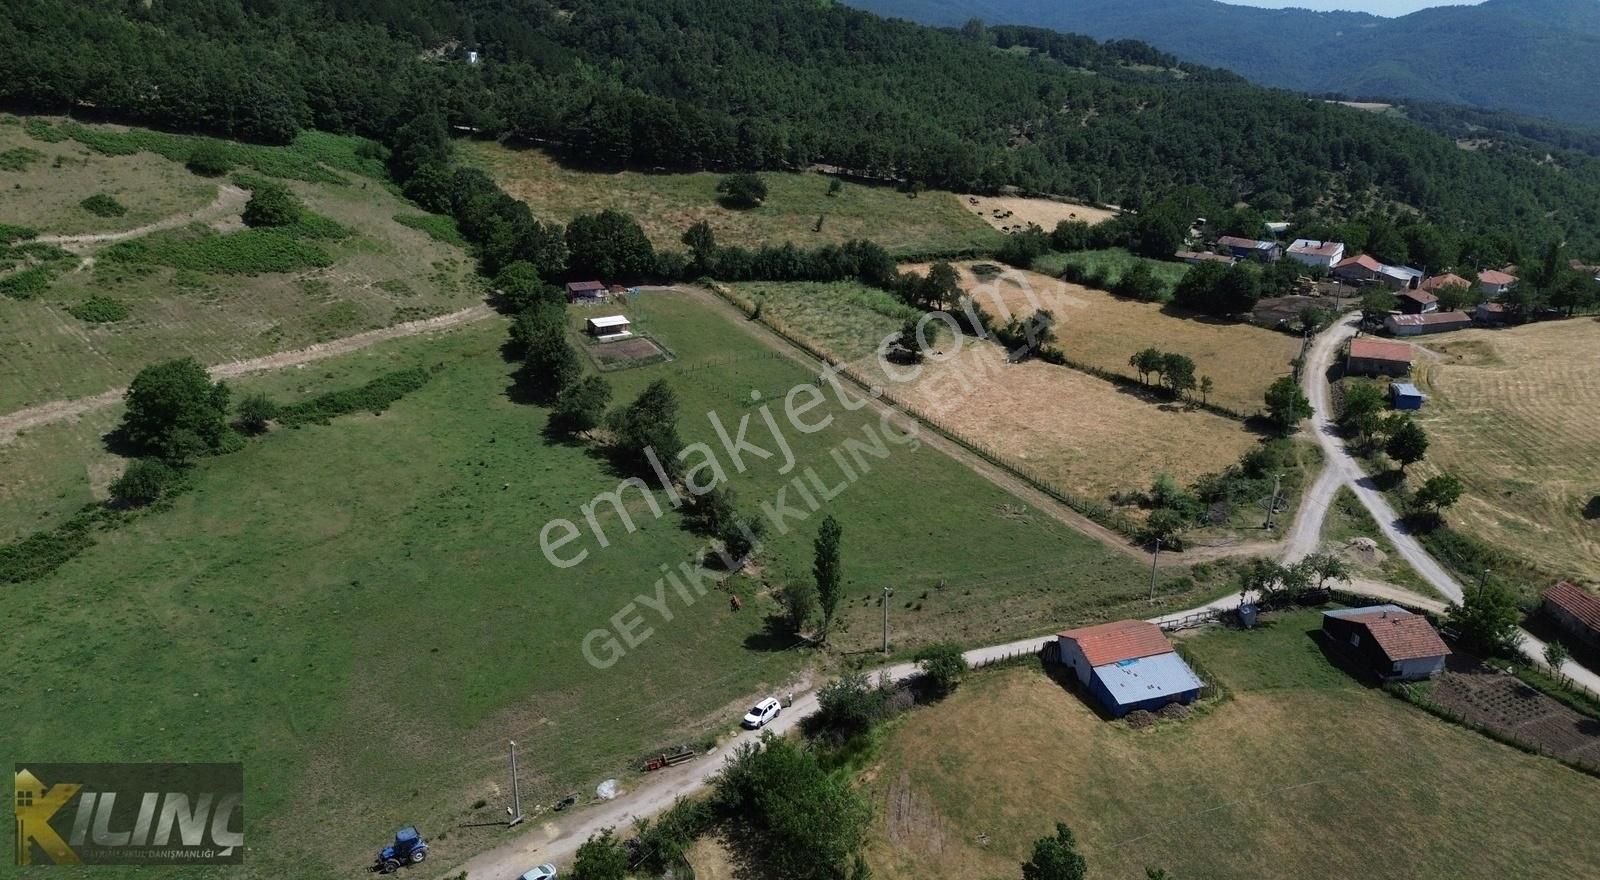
543 872
762 713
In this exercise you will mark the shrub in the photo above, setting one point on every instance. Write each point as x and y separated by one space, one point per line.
743 190
19 158
255 411
26 284
272 205
99 310
375 397
174 411
249 252
102 205
43 552
11 234
209 159
144 481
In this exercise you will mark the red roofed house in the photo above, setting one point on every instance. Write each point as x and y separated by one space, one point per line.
1128 665
1577 610
1494 283
585 292
1378 357
1418 302
1251 249
1358 270
1440 282
1387 641
1490 313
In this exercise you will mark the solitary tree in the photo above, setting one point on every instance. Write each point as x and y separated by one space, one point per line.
1363 411
581 407
1206 387
1286 404
1488 618
942 666
743 190
1439 492
646 428
610 244
1055 858
1555 657
944 285
827 570
1177 373
1408 443
1148 361
799 601
175 411
701 240
1323 567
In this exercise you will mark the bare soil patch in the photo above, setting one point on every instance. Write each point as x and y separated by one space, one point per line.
1505 704
1015 212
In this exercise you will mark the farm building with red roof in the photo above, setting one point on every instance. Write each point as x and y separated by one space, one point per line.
1387 641
1577 610
1128 665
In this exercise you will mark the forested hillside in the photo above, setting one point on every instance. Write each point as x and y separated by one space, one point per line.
689 84
1529 56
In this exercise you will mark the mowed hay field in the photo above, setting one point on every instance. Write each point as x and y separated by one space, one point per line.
381 273
1515 414
360 611
668 204
1303 773
1101 330
1078 431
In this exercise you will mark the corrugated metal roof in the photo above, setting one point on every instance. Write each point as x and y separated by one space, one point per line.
1315 248
1344 613
609 321
1576 601
1119 640
1147 678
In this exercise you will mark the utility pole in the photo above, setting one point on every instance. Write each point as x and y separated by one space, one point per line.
1153 557
1272 506
1483 581
886 594
516 791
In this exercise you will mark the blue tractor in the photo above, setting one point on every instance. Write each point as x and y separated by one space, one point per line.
408 849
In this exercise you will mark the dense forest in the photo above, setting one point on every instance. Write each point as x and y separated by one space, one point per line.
1528 56
726 84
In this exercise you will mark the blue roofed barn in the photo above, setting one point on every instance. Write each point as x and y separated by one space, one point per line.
1128 665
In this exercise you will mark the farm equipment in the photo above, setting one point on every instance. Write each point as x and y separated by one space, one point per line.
408 849
669 759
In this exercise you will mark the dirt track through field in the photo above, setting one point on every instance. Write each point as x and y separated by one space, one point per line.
230 201
60 410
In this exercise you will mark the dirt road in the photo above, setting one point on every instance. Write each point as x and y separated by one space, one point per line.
230 201
14 423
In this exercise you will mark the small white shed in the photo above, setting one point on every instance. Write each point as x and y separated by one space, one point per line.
610 327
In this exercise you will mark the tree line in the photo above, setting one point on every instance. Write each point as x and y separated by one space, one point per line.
688 84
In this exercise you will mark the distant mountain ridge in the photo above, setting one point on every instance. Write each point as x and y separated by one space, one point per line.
1540 57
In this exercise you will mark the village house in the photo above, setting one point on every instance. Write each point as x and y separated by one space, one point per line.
1490 313
1575 610
1357 270
1317 254
1386 641
1128 665
1249 249
1400 277
610 327
1439 282
1432 322
585 292
1494 283
1195 258
1418 302
1378 357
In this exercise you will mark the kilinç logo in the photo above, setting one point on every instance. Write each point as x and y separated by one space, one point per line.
129 814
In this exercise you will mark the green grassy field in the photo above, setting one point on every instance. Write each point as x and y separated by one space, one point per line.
383 272
1111 263
361 612
668 204
846 318
1303 772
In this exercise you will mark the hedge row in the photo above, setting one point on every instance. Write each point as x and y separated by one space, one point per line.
374 397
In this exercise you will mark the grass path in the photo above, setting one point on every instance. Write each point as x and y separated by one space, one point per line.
230 201
60 410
